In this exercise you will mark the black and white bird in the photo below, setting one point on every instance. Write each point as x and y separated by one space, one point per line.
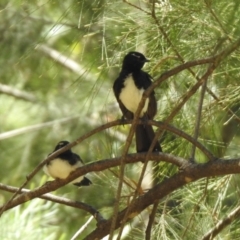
65 163
128 89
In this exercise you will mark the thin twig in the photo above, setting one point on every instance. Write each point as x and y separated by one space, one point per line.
14 92
82 228
182 134
222 224
16 132
66 62
208 5
135 6
151 221
225 108
198 117
200 106
60 200
195 208
121 176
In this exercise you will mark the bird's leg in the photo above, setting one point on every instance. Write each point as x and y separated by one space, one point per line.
122 120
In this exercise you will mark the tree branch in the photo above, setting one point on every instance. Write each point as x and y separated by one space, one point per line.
151 220
55 154
91 167
14 92
96 130
35 127
192 173
65 61
60 200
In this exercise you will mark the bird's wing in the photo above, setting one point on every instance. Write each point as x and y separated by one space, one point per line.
77 158
152 106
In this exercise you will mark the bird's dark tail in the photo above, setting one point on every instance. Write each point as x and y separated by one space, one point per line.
84 182
144 137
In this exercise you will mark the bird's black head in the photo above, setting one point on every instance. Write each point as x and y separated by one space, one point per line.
61 144
134 61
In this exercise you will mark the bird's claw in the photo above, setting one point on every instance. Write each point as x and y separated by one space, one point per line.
122 120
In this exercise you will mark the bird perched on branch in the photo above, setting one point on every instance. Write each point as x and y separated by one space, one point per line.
128 89
65 163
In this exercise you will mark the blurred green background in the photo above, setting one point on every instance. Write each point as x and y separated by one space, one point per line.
59 60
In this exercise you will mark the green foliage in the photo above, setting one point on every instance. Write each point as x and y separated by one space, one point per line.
36 220
96 35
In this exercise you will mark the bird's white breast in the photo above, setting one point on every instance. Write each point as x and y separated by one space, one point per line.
131 96
59 168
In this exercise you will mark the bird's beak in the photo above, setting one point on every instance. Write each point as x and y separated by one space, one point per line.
146 60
